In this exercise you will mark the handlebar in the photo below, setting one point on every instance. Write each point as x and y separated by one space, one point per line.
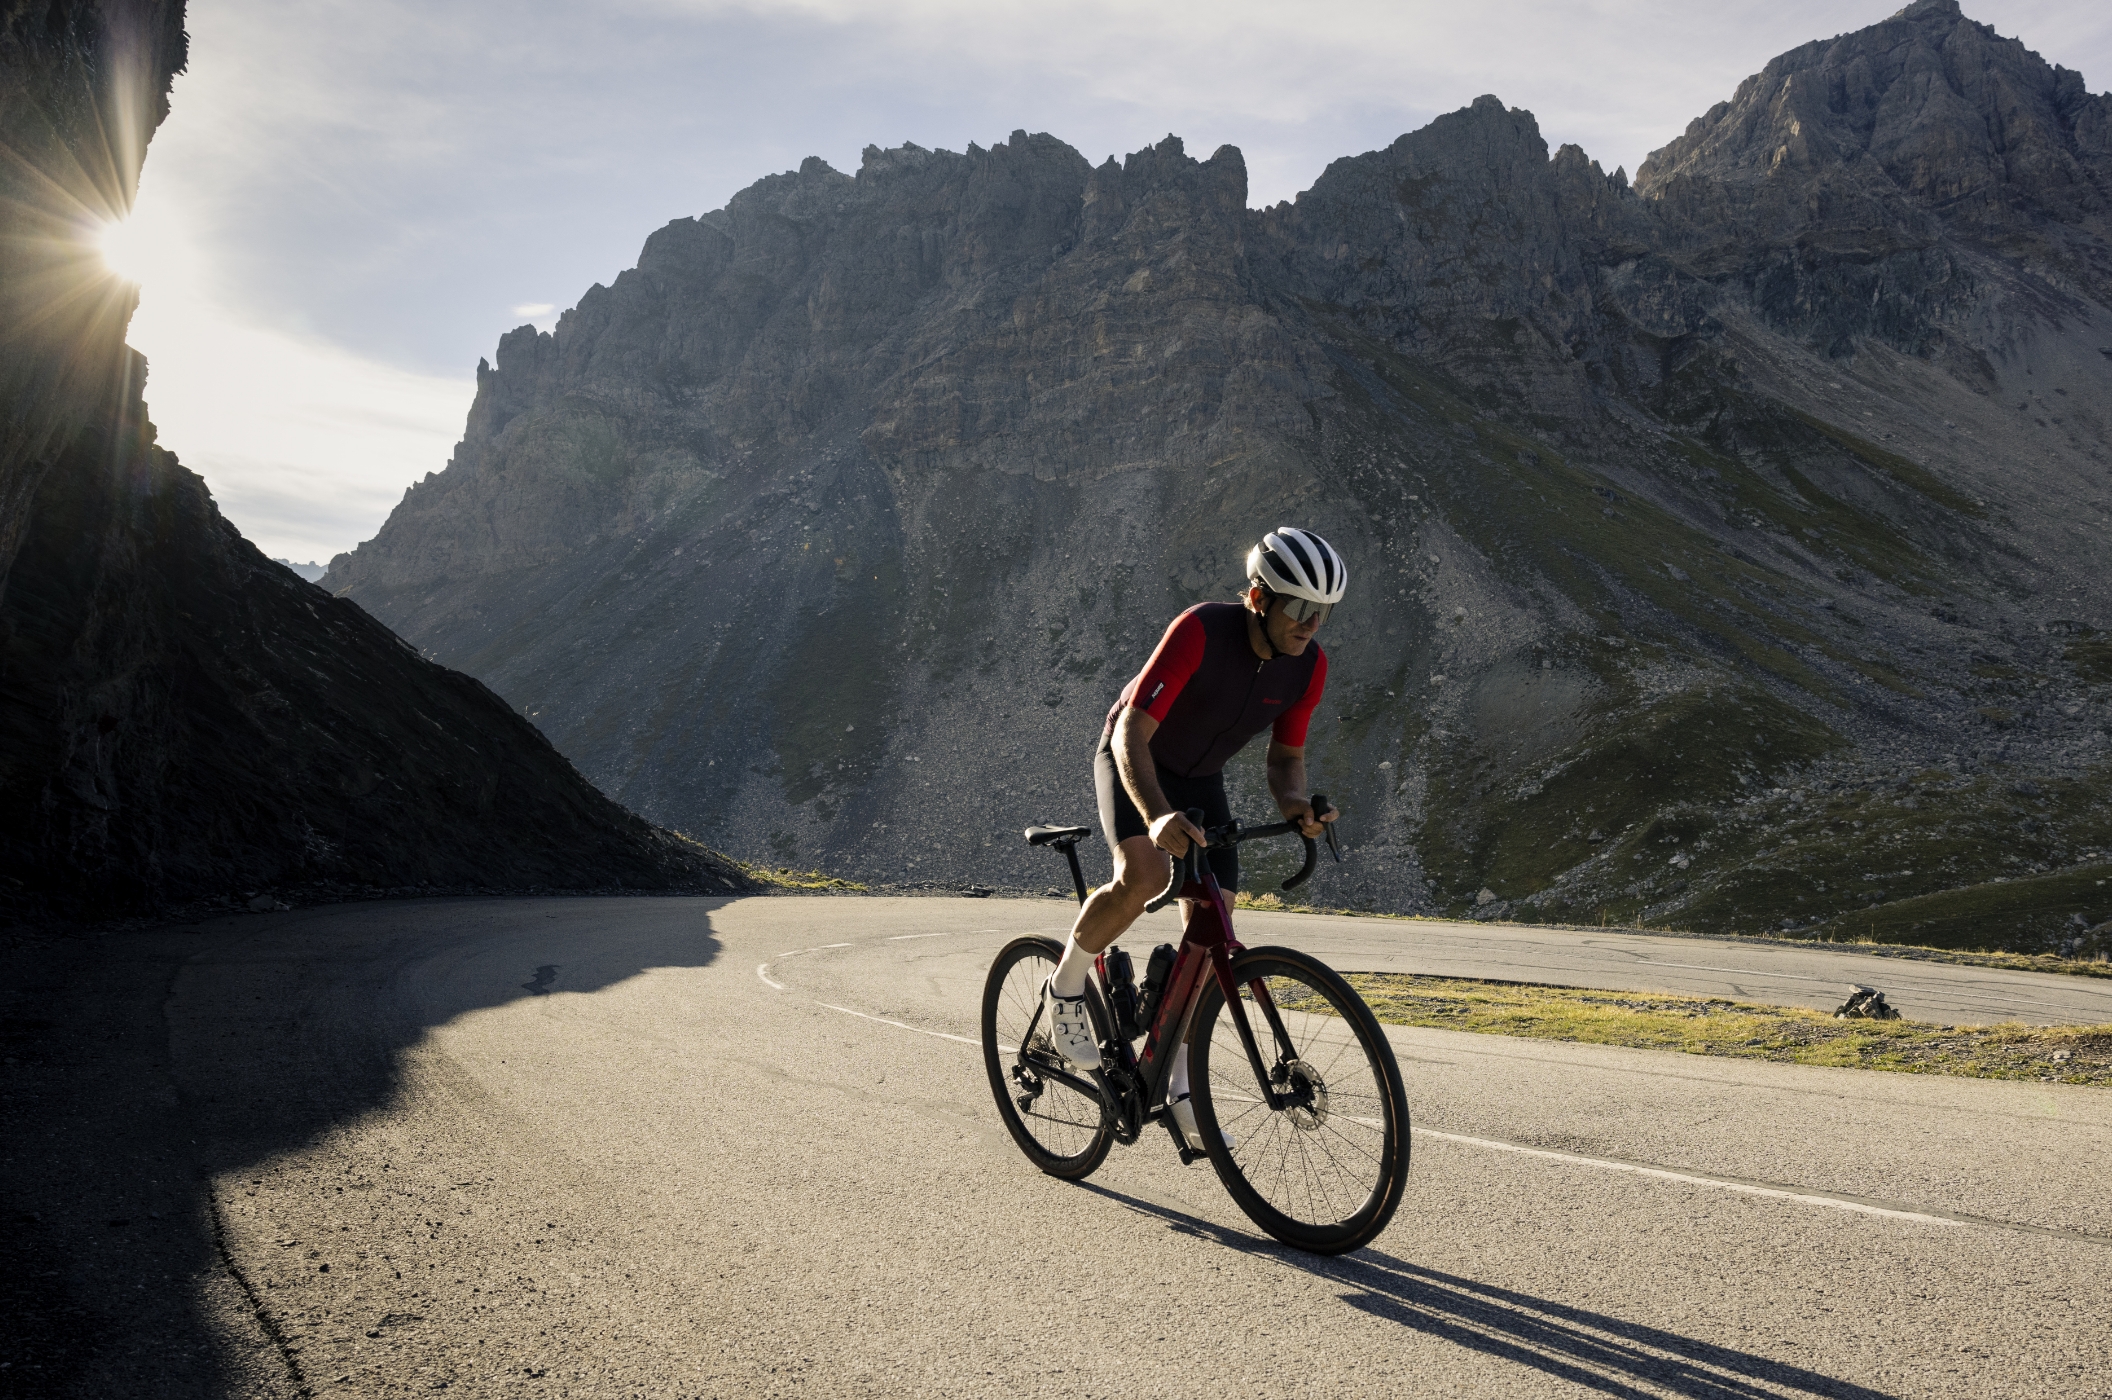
1188 865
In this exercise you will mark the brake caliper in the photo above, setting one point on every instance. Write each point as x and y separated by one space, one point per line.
1303 1091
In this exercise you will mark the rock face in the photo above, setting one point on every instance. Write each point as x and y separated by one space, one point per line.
1688 521
180 717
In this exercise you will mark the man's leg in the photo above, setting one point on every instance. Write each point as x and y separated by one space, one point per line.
1141 871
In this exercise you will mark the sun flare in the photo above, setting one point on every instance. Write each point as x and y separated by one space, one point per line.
128 249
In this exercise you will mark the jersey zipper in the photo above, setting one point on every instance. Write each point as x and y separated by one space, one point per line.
1252 681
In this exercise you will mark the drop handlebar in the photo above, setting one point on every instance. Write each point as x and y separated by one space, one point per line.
1188 865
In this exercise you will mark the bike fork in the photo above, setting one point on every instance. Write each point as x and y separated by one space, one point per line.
1223 965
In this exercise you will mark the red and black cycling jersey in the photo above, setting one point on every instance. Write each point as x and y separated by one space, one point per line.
1210 693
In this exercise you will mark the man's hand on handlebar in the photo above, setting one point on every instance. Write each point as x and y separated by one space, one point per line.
1309 825
1172 833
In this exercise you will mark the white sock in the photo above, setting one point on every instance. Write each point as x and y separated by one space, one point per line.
1177 1082
1069 980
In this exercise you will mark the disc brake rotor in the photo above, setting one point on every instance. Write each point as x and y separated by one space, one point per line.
1304 1092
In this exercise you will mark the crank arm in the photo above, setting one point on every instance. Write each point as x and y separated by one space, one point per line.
1051 1071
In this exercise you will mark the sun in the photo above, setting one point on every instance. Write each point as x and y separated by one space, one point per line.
128 249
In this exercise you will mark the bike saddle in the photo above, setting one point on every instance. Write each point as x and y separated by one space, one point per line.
1049 835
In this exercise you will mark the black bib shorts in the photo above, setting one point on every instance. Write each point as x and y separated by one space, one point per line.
1120 819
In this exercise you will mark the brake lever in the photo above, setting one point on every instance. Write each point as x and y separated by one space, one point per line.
1321 807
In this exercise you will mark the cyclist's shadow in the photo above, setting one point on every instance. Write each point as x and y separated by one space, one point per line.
1585 1348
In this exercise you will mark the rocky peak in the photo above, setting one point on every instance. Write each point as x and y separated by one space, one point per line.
1927 108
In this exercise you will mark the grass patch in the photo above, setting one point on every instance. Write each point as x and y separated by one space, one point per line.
784 877
1646 781
1739 1030
2041 904
1988 863
1906 472
2092 660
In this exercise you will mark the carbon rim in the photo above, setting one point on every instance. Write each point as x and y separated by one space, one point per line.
1062 1122
1327 1162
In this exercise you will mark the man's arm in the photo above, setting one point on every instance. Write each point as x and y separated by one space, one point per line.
1287 786
1171 831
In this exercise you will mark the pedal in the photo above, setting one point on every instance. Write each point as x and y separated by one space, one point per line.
1164 1115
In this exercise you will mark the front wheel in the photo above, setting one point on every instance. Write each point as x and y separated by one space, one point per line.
1062 1131
1323 1170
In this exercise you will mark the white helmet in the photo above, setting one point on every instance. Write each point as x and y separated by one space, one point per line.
1298 563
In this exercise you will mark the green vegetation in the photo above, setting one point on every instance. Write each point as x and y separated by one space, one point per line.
1674 760
1935 859
2092 660
1740 1030
1643 776
1909 474
784 877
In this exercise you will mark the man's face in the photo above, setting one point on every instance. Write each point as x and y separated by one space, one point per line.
1284 635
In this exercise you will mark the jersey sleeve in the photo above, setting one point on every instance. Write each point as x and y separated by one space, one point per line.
1180 652
1291 724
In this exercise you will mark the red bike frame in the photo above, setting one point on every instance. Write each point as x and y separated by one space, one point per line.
1206 940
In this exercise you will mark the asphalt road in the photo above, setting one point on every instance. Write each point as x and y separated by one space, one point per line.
1747 970
669 1148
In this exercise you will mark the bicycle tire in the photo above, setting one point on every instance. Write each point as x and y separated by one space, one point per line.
1326 1174
1069 1135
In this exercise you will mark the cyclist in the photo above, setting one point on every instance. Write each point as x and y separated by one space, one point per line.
1222 673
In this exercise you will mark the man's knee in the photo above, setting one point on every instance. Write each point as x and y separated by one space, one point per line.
1141 871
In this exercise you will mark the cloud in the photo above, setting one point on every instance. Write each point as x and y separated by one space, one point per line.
306 446
533 309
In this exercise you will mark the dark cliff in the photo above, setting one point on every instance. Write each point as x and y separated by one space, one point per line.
1725 546
180 717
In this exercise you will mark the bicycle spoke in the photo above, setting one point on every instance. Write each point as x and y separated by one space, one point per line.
1331 1155
1061 1129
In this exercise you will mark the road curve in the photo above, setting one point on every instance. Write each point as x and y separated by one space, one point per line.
1785 974
588 1147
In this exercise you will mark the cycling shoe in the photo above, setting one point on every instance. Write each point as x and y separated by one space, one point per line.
1070 1029
1184 1119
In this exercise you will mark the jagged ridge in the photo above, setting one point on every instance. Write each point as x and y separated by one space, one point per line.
834 525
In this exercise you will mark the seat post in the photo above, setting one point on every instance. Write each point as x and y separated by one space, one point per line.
1070 853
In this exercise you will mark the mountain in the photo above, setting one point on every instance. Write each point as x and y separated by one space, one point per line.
181 719
311 571
1726 547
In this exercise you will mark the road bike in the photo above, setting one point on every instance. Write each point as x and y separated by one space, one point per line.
1305 1119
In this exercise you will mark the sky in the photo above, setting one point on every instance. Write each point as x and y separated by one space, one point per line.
351 202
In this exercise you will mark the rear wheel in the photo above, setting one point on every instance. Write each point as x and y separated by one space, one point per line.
1326 1168
1063 1132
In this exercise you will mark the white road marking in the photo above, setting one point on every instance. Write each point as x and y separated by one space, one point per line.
762 970
1742 1187
900 937
1602 1163
961 1039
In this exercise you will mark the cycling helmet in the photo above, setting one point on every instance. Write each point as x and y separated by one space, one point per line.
1298 563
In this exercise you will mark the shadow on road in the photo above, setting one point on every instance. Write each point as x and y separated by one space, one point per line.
139 1067
1606 1354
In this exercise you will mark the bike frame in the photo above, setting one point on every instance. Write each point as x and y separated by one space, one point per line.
1207 947
1207 944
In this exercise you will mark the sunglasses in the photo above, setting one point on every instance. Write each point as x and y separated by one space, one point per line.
1301 610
